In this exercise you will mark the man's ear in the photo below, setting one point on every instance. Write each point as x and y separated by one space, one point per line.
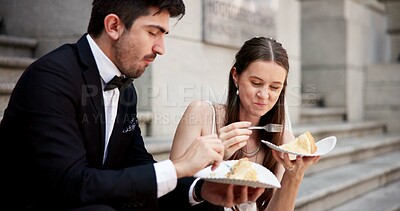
113 26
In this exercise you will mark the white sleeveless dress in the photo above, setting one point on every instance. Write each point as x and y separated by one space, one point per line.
242 207
288 125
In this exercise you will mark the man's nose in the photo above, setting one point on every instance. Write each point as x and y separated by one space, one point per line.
158 47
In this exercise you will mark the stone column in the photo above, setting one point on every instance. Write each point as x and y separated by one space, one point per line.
337 37
393 27
323 49
383 79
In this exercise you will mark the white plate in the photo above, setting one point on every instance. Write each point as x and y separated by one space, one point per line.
266 179
324 146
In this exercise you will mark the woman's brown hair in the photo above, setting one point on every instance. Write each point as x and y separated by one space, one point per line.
259 49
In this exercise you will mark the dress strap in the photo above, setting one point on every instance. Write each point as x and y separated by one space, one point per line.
213 117
288 123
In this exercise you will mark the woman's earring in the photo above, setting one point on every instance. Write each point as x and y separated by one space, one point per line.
237 90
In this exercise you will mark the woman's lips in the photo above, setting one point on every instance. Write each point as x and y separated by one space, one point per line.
260 104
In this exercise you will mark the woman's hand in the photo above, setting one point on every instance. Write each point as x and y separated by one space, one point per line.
234 136
297 166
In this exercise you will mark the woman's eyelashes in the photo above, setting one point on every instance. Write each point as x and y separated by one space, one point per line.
260 84
275 87
256 84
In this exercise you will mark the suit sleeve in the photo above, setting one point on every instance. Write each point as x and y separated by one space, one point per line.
178 199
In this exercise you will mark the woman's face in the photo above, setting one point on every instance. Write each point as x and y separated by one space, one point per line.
260 85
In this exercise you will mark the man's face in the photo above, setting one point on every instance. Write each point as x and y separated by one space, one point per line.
138 47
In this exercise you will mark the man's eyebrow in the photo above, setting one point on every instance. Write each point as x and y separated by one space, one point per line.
159 28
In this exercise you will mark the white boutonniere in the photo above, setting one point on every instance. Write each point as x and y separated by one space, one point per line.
131 125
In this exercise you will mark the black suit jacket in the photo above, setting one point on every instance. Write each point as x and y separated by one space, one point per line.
52 138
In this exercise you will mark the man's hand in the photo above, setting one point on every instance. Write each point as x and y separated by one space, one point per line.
228 195
204 151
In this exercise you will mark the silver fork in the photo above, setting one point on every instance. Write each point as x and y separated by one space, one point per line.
227 165
268 127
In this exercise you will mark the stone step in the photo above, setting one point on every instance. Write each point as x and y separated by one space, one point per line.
333 187
369 130
348 150
322 114
385 198
11 68
340 129
6 88
17 46
5 91
3 104
352 156
15 62
10 74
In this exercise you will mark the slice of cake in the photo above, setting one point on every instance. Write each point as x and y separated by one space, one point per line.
243 170
304 144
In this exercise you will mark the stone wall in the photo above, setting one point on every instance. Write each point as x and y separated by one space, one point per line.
51 22
382 94
190 69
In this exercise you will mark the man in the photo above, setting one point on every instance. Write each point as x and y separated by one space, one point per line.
70 134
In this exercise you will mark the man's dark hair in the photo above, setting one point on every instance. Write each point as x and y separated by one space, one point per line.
129 10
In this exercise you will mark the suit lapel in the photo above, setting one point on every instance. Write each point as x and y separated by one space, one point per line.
125 115
92 95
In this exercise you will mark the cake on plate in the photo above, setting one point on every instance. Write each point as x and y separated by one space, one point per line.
303 144
243 170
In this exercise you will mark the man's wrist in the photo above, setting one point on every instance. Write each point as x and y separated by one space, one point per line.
197 190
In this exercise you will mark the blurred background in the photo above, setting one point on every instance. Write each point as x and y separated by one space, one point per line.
344 79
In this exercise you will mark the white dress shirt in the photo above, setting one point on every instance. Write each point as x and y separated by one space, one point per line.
165 170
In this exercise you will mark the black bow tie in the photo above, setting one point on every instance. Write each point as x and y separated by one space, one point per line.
118 81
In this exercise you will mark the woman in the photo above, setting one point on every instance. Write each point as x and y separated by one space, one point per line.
256 96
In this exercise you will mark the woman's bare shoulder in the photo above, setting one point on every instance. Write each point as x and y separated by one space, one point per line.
199 106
